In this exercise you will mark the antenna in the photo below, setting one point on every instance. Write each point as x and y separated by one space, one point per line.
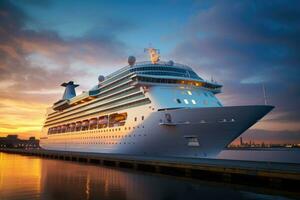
264 92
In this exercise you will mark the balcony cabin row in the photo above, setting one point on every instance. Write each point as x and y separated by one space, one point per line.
112 120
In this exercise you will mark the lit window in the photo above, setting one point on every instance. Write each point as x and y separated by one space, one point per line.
193 101
189 92
186 101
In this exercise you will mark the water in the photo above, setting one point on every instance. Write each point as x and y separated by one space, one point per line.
285 155
23 177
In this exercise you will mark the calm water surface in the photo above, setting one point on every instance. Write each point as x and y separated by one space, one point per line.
23 177
285 155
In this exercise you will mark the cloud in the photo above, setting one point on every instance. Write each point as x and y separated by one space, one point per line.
33 62
243 44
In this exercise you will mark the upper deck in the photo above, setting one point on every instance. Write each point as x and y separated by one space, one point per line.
142 73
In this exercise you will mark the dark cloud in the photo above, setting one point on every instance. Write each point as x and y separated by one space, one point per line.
245 43
17 44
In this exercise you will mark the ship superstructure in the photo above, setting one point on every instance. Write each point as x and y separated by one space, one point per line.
147 108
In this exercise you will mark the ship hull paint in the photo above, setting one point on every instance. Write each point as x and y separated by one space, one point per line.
212 128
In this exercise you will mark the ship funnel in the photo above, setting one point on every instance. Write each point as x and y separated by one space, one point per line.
70 90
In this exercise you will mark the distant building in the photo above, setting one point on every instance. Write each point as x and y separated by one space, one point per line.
12 141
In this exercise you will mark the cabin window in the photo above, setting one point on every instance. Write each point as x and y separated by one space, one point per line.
193 101
186 101
68 128
178 100
135 119
53 131
85 125
142 117
58 129
117 119
72 127
78 126
103 121
93 123
189 92
64 128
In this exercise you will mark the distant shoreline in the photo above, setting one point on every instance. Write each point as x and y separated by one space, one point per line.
264 148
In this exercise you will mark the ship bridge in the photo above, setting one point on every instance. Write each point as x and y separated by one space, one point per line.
170 73
164 69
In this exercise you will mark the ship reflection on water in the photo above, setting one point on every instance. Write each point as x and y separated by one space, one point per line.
24 177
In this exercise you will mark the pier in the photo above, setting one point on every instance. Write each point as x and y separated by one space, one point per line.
272 175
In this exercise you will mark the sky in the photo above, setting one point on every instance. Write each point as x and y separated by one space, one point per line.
241 44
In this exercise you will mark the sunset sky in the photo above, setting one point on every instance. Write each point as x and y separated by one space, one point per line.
241 44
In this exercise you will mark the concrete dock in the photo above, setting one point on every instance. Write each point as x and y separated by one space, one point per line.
272 175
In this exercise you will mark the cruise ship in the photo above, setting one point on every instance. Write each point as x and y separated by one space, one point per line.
151 108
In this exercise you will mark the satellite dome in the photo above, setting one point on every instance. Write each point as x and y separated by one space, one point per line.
131 60
101 78
171 62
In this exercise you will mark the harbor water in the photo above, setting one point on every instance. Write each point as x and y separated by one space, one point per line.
24 177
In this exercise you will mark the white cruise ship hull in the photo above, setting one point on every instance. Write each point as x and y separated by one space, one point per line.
182 132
